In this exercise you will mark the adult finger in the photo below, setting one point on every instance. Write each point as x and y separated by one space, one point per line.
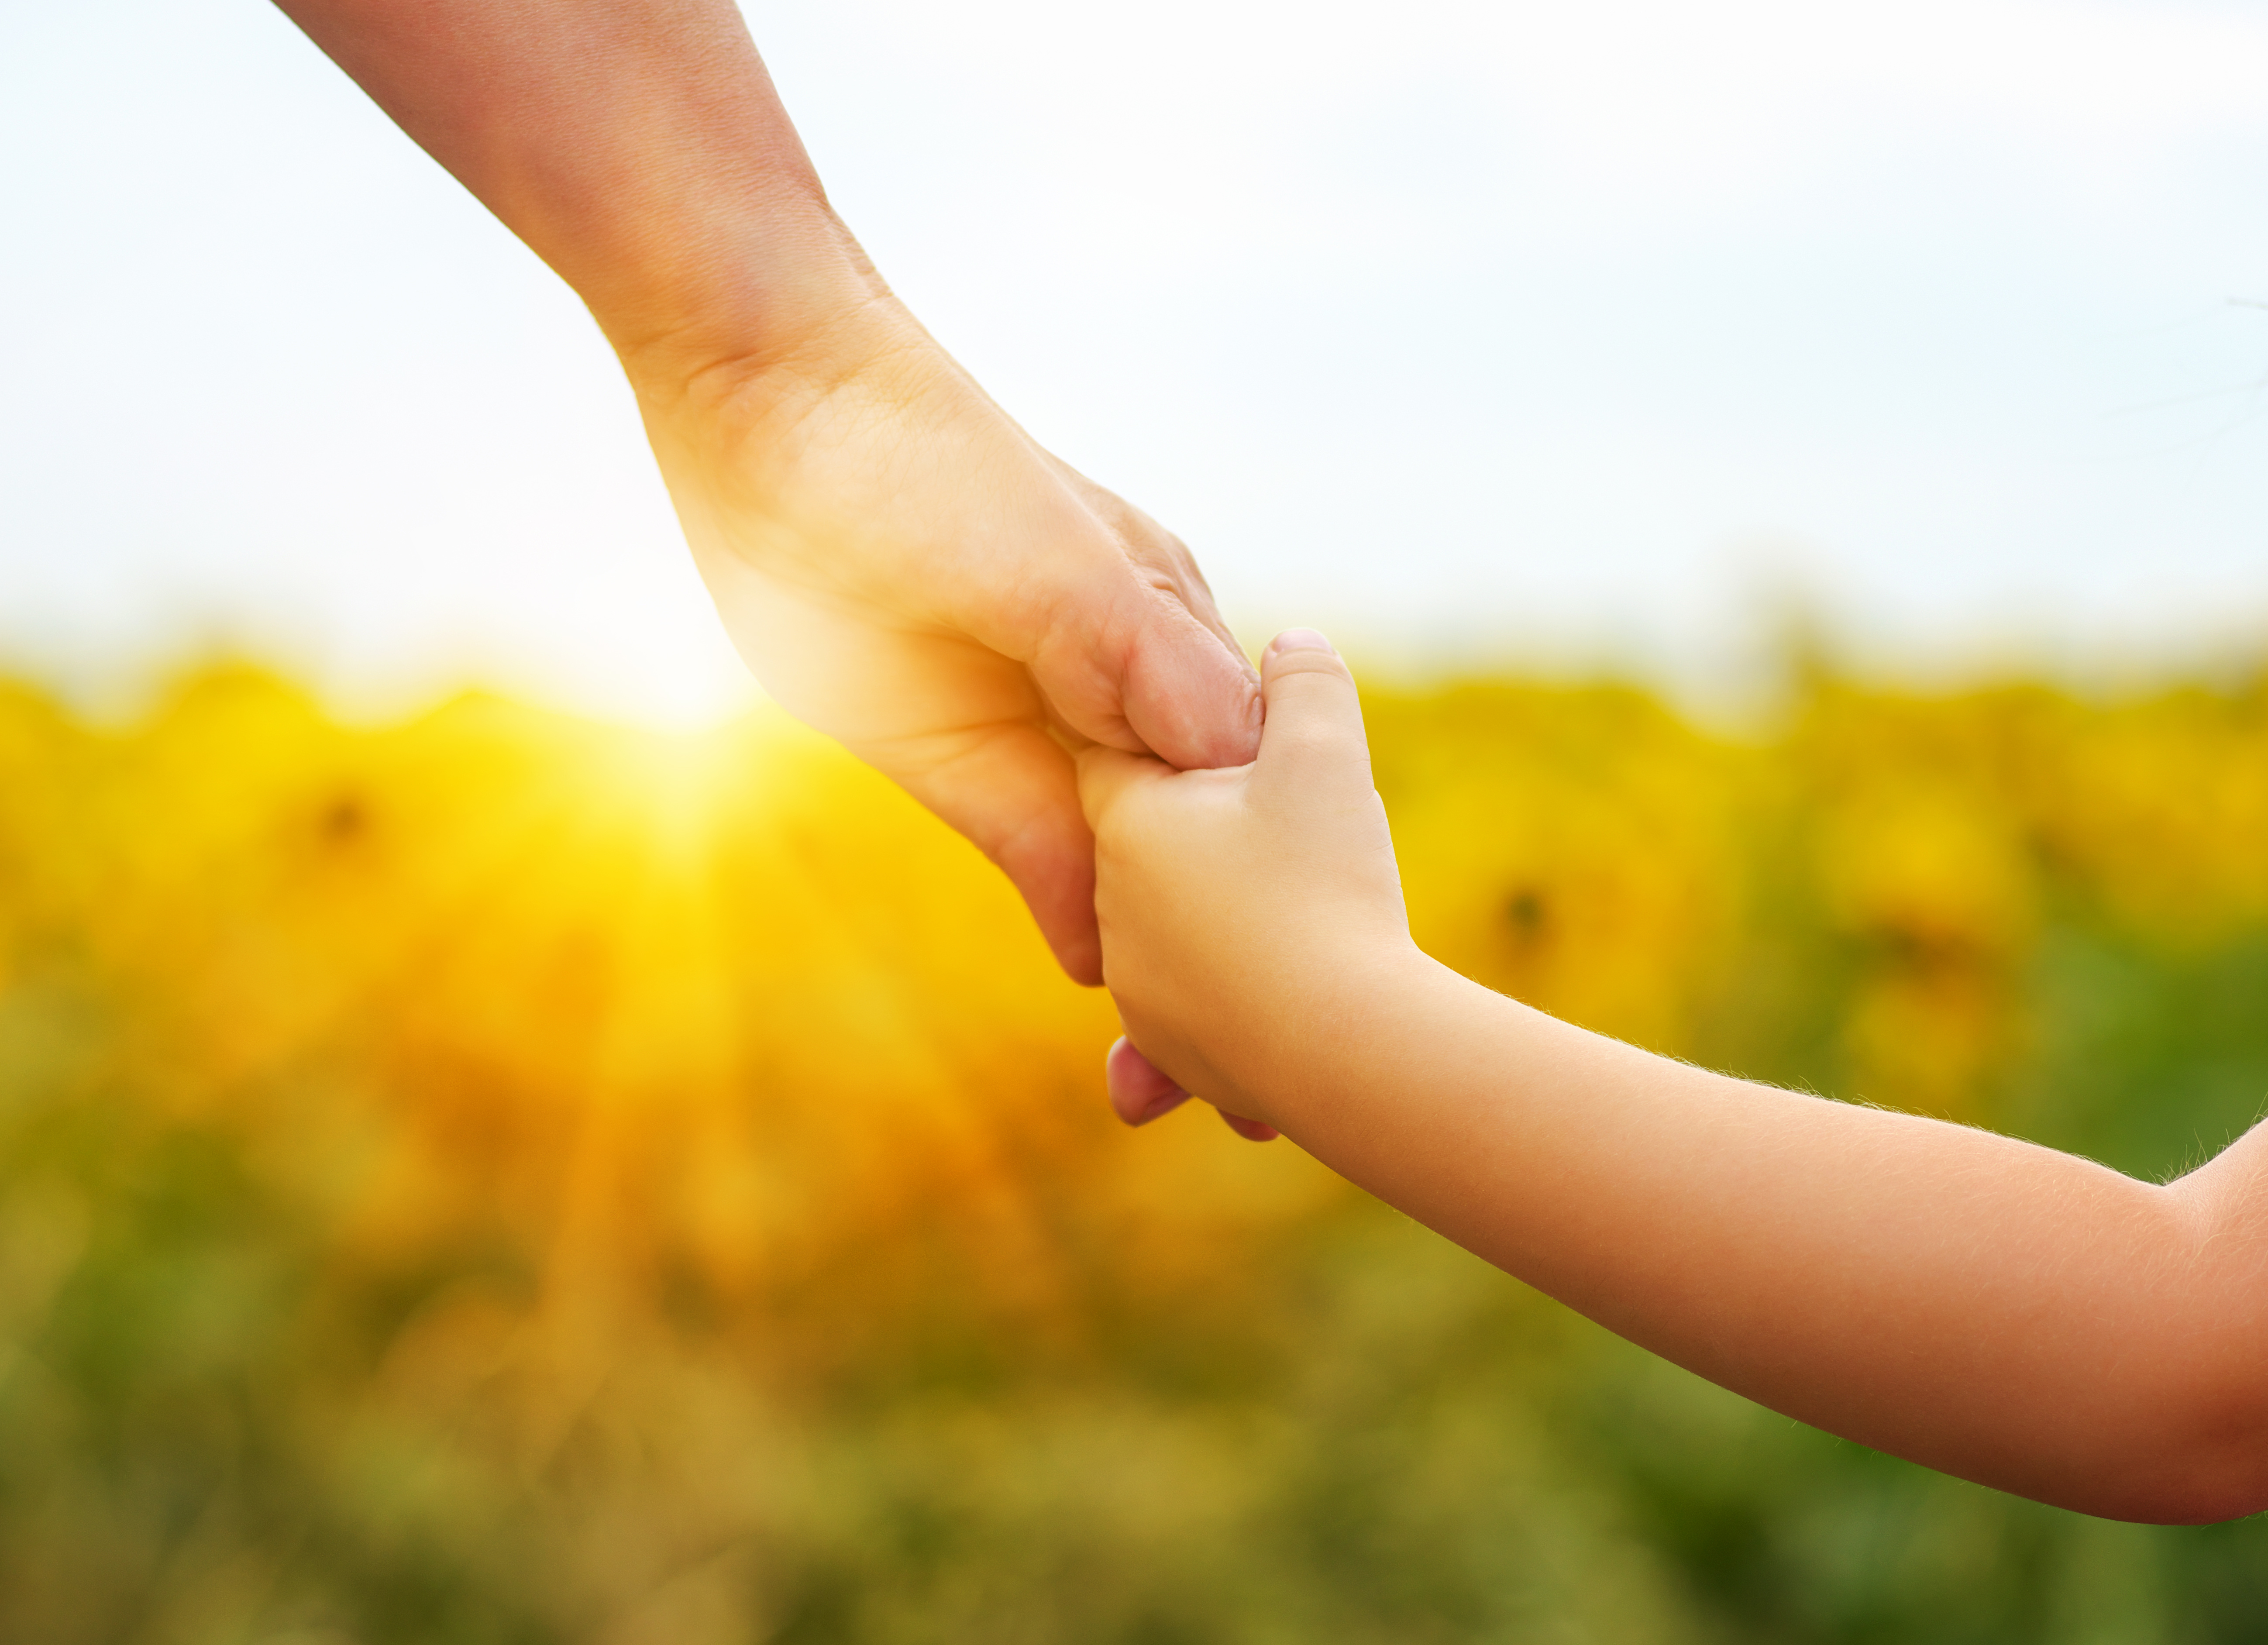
1013 792
1190 695
1194 705
959 726
1141 1091
1127 663
1120 631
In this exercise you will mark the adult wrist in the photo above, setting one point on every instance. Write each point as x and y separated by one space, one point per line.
784 340
785 307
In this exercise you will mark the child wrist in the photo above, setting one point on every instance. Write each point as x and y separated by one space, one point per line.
1351 1001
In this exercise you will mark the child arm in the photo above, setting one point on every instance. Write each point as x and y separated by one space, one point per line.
1995 1309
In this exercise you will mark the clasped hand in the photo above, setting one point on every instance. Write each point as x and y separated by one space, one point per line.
906 570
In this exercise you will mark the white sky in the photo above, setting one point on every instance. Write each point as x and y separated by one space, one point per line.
1465 330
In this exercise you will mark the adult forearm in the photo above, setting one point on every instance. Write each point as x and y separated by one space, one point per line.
636 146
1992 1309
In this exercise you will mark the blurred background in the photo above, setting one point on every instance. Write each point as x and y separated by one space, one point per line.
504 1137
1558 332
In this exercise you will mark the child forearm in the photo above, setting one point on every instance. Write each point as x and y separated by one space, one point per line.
1995 1309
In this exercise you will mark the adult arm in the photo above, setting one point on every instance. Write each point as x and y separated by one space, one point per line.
1994 1309
901 564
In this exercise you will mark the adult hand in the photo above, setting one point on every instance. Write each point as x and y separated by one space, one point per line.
907 570
901 564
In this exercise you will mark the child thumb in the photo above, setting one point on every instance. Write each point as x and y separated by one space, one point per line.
1312 732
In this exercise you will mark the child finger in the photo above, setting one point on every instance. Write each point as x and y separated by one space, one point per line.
1314 726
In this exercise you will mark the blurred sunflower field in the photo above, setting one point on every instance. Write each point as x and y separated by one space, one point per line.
497 1180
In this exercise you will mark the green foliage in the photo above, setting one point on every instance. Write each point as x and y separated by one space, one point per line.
499 1180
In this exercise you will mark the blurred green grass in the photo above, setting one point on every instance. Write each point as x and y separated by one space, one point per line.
496 1178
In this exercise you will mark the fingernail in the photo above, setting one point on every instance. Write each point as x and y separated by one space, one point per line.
1301 639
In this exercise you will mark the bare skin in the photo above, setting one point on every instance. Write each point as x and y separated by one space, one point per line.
1994 1309
906 570
901 564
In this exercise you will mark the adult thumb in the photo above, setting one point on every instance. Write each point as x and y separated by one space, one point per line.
1311 735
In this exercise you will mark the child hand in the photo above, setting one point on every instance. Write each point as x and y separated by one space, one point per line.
1247 912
